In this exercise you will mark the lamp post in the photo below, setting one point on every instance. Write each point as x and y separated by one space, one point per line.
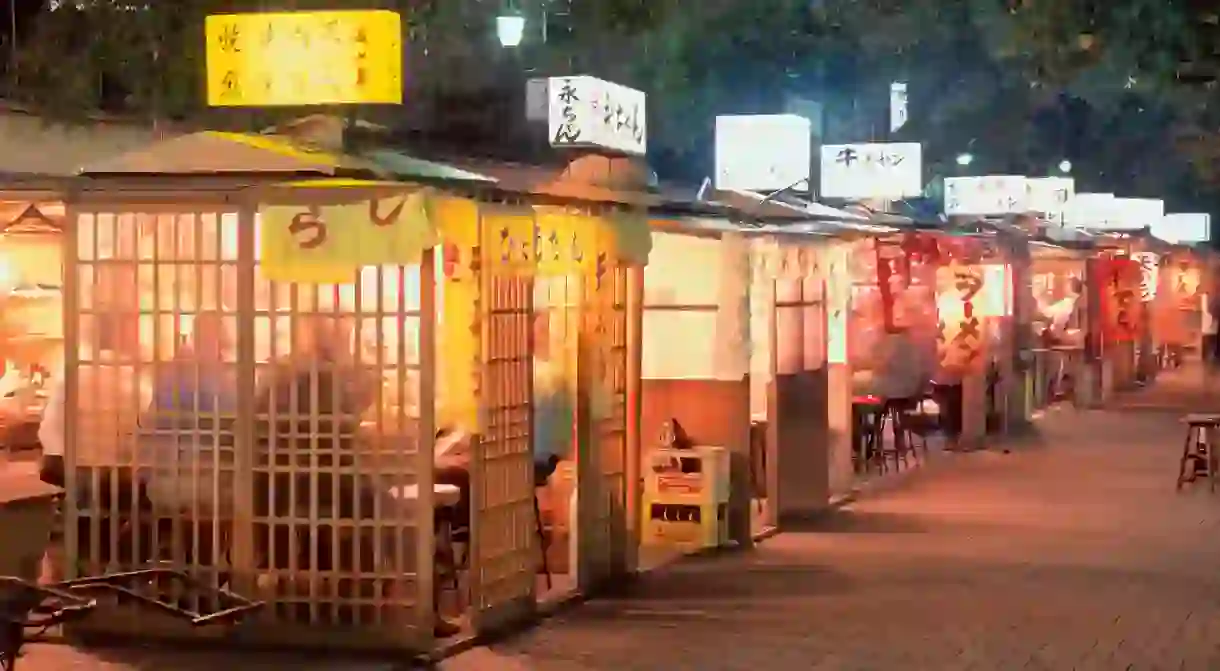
965 159
1065 166
510 28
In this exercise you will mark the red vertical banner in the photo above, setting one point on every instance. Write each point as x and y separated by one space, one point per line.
1121 309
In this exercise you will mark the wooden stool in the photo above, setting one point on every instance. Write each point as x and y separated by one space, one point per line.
1198 457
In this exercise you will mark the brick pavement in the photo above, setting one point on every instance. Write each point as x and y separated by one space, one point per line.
1073 552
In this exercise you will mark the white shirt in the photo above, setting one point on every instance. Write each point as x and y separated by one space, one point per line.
1060 313
1210 322
110 399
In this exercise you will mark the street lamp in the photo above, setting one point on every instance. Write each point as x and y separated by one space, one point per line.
510 28
965 159
1065 166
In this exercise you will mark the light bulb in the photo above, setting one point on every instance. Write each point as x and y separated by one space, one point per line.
510 28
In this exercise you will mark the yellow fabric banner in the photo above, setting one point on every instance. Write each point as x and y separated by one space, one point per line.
570 240
459 331
327 244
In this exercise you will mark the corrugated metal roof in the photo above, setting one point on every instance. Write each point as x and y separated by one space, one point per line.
801 210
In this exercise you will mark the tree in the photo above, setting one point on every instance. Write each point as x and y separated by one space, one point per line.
1021 84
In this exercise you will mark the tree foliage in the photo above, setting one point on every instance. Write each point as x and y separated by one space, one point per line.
1019 83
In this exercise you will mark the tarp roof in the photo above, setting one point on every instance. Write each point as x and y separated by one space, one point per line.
279 157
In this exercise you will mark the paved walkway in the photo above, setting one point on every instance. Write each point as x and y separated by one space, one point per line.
1173 390
1072 552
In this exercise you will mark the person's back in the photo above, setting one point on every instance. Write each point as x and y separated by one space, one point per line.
902 367
308 410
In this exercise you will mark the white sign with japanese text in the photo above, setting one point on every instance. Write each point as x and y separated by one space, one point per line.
860 171
1136 213
1184 227
990 194
585 111
1051 196
1090 210
763 152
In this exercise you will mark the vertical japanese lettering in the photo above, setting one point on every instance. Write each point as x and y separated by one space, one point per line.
568 131
230 39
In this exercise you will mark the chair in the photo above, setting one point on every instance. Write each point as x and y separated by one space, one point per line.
919 424
543 470
894 412
867 413
451 533
1198 457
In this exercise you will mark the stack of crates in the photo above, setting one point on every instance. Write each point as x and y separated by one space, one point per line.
686 497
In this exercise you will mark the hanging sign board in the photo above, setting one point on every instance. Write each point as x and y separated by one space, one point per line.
585 111
304 58
1184 227
763 152
1120 299
1136 213
1090 210
1184 282
960 337
1051 196
987 195
328 244
863 171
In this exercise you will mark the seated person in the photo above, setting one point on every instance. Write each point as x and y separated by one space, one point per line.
309 407
903 371
109 397
192 394
554 415
1056 316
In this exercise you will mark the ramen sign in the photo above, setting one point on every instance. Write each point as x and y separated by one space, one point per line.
961 327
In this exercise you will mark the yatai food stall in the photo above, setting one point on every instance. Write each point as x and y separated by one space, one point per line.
338 267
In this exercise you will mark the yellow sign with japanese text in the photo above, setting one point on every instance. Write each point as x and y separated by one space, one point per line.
508 237
304 58
328 244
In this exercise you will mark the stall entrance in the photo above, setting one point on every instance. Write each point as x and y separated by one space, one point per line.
580 421
31 320
788 402
566 301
